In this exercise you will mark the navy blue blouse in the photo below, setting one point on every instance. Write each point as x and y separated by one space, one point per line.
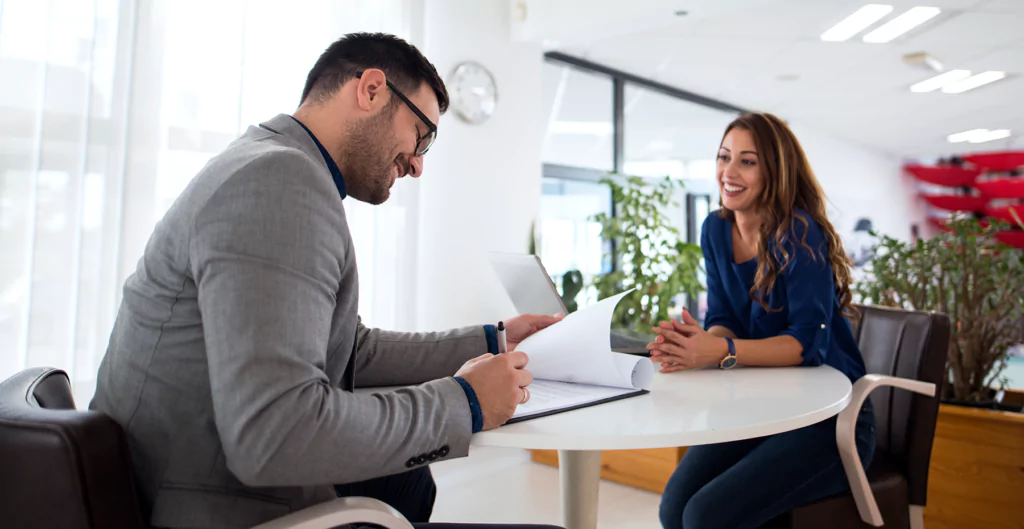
805 291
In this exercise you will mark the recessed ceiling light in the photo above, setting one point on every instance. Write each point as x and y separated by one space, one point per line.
966 135
857 22
973 82
990 135
940 81
907 21
978 136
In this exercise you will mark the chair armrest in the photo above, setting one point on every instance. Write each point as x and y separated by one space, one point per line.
846 439
341 511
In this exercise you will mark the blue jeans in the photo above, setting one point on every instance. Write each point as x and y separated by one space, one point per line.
744 484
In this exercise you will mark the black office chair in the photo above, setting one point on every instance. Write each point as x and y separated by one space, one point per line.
67 469
902 349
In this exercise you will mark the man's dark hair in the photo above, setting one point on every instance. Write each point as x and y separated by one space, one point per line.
400 61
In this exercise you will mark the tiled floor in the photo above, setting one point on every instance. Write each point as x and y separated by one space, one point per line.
499 485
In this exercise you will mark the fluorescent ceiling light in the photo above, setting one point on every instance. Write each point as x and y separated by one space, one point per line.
907 21
582 128
857 22
940 81
966 135
990 135
978 136
973 82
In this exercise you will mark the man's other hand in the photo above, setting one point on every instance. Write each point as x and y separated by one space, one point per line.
521 327
499 382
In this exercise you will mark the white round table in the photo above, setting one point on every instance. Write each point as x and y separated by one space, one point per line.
686 408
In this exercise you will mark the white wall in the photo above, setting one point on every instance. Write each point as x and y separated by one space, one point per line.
480 189
861 182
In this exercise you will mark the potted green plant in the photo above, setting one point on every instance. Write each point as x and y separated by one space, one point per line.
966 274
979 443
649 254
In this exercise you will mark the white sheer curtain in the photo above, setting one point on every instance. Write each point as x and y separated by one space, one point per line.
108 108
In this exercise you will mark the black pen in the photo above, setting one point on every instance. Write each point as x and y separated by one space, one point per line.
502 346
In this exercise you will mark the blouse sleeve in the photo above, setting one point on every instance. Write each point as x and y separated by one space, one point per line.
810 288
719 309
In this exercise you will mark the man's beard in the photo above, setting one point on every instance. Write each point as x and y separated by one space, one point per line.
368 162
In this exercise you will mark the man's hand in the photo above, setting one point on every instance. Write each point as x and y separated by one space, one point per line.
521 327
498 381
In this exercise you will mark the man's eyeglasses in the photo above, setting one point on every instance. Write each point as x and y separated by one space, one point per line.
423 143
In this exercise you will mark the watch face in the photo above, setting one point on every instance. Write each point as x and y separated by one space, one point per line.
728 362
474 92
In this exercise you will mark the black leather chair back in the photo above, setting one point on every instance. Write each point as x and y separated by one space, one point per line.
61 468
910 345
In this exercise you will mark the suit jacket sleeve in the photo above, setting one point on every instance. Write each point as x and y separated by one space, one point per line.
266 252
388 358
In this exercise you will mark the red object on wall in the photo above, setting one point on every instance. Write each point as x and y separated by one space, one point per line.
956 202
997 161
944 176
1013 238
1003 213
1002 188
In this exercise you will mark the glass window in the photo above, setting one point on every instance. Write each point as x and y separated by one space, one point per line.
579 110
668 136
700 208
567 237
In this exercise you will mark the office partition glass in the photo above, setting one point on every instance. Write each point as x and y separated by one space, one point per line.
578 106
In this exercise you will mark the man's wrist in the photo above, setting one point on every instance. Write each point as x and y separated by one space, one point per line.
491 336
475 412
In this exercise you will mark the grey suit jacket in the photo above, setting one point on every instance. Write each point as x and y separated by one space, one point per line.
237 343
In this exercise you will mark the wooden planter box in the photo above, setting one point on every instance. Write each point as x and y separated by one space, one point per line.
976 478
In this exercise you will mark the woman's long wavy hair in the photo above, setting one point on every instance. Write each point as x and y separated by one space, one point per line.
789 184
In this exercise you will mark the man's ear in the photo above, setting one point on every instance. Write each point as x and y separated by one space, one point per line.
371 90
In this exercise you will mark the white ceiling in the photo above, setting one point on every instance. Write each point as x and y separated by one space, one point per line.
736 51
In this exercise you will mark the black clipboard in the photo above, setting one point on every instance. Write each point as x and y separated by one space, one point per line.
578 406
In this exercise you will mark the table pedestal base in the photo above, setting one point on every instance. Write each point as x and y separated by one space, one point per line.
579 473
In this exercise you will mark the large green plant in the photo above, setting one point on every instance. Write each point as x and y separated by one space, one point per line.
648 253
967 275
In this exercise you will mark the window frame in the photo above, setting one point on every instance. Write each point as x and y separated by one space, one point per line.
619 80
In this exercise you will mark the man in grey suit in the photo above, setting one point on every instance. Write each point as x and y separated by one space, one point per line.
237 345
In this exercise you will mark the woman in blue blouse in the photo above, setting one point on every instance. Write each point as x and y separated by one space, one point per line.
778 295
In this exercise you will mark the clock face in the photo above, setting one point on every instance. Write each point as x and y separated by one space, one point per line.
474 93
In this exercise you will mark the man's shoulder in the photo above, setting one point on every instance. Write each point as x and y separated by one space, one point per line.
255 166
255 152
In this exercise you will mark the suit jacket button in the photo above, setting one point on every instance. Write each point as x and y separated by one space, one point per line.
443 451
421 459
433 455
411 462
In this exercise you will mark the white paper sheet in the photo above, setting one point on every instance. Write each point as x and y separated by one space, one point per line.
578 350
547 395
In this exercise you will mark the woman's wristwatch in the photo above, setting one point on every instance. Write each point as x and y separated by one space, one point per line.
730 359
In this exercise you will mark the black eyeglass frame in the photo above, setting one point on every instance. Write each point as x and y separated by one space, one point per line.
432 128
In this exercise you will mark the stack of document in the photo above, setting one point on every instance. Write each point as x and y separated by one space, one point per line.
573 364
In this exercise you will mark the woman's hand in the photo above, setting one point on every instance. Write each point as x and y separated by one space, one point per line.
686 345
